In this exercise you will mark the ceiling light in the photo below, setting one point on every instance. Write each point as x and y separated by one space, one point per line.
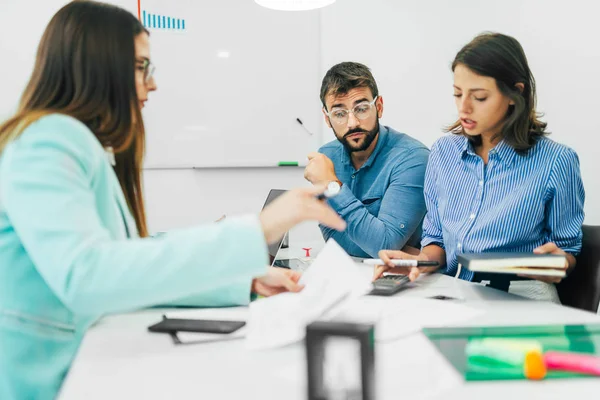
294 5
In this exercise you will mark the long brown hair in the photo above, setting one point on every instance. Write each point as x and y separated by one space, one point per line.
84 68
502 58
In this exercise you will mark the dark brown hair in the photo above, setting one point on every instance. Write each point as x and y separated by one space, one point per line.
84 68
501 57
345 76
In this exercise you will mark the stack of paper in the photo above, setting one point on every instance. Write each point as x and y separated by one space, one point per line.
334 289
280 320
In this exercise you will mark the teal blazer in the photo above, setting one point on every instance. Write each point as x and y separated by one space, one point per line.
66 258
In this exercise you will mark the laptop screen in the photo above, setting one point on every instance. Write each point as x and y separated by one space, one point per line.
274 247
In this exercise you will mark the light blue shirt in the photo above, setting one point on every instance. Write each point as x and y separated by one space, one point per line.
382 202
66 259
515 203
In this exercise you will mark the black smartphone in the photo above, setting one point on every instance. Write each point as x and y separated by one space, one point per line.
169 325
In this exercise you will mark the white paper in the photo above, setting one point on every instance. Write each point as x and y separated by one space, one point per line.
396 317
280 320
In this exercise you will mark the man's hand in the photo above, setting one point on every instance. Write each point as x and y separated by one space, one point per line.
550 248
320 169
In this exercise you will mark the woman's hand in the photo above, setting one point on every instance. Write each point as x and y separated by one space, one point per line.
277 280
551 248
295 206
413 272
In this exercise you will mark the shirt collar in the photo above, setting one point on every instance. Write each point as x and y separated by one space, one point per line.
382 137
503 151
465 147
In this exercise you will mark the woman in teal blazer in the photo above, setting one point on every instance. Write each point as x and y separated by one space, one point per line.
73 239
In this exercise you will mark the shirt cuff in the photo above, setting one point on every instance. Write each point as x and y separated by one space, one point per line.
572 247
429 240
343 199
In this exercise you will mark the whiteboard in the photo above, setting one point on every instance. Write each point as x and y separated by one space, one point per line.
231 85
232 79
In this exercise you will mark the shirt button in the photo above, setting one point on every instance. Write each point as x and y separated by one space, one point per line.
459 246
480 183
472 216
401 225
353 176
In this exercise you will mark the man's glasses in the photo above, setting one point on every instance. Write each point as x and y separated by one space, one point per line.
361 111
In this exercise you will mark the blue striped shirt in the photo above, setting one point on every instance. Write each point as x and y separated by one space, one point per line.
515 203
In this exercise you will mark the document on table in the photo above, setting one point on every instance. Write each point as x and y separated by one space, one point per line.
280 320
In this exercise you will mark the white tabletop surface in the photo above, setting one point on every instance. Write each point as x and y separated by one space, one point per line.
120 359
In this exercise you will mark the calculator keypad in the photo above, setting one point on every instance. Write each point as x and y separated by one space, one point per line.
389 284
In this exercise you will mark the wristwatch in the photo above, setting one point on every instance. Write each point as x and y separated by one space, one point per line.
333 188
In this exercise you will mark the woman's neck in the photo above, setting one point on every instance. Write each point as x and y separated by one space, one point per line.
488 142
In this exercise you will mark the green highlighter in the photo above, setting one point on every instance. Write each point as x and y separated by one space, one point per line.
501 351
505 358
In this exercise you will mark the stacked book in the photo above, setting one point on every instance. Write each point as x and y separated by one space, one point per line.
515 263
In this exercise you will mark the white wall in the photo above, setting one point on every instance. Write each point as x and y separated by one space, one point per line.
409 45
20 33
180 198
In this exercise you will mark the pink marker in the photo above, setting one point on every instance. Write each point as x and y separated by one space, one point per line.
572 362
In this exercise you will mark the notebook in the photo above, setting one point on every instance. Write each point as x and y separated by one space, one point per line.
452 343
515 263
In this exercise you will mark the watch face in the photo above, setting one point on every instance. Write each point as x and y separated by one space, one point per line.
333 188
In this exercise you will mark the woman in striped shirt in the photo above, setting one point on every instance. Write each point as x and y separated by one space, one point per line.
497 183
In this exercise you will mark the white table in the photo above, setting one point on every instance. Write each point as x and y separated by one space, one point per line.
119 359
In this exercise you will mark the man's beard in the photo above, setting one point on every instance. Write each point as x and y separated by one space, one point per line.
369 137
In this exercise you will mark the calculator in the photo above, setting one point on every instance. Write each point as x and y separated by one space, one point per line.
389 284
